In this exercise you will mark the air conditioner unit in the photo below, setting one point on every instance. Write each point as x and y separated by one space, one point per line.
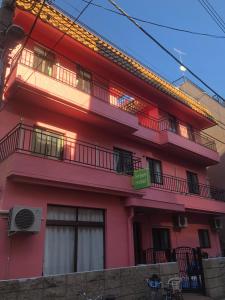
217 224
24 219
180 221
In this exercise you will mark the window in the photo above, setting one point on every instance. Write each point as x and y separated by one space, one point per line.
173 124
161 238
84 80
74 240
43 60
155 169
47 143
123 161
191 133
193 184
204 241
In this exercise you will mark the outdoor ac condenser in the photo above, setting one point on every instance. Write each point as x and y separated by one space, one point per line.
180 221
24 219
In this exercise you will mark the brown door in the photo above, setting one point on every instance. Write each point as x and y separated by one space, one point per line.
138 253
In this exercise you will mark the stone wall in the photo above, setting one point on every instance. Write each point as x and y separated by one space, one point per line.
214 271
124 283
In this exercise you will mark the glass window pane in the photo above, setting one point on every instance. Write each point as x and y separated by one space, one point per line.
59 250
61 213
123 161
203 235
39 141
155 168
47 143
161 238
90 215
90 254
193 184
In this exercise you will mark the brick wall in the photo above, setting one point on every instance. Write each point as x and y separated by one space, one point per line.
124 283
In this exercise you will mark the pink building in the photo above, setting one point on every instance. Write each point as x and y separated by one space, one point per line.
78 117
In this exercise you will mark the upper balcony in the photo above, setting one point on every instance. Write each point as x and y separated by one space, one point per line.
73 91
31 154
107 104
172 193
35 155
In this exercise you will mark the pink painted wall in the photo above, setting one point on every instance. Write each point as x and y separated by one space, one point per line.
22 255
186 237
106 69
82 131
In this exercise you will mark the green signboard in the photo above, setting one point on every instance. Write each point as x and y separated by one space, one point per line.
141 179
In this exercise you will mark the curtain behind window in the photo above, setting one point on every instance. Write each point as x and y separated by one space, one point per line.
59 250
90 249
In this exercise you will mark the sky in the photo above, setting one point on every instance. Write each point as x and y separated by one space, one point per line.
205 56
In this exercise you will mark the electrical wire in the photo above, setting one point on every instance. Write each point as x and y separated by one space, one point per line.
74 21
163 47
25 42
213 14
28 36
54 46
156 24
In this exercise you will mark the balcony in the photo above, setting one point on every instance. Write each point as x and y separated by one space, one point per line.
181 139
178 194
110 105
38 156
107 104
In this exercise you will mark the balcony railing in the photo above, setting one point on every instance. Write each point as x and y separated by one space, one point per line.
182 186
34 141
117 97
112 95
188 133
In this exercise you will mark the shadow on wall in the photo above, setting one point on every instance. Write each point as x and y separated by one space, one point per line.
216 176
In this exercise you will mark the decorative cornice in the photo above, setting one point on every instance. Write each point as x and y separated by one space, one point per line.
57 19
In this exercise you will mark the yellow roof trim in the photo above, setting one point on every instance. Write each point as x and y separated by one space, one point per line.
57 19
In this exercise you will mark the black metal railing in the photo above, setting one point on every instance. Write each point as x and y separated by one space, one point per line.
154 256
115 96
35 141
189 133
183 186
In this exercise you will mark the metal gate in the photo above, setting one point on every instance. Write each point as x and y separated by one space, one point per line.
190 268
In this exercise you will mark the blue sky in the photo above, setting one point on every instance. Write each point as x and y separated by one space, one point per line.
205 56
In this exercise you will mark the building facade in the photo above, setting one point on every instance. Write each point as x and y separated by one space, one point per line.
216 172
78 120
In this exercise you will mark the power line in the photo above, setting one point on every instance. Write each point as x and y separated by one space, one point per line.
33 25
163 47
213 14
156 24
76 19
59 39
26 41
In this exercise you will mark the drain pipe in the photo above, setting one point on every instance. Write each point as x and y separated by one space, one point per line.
130 236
